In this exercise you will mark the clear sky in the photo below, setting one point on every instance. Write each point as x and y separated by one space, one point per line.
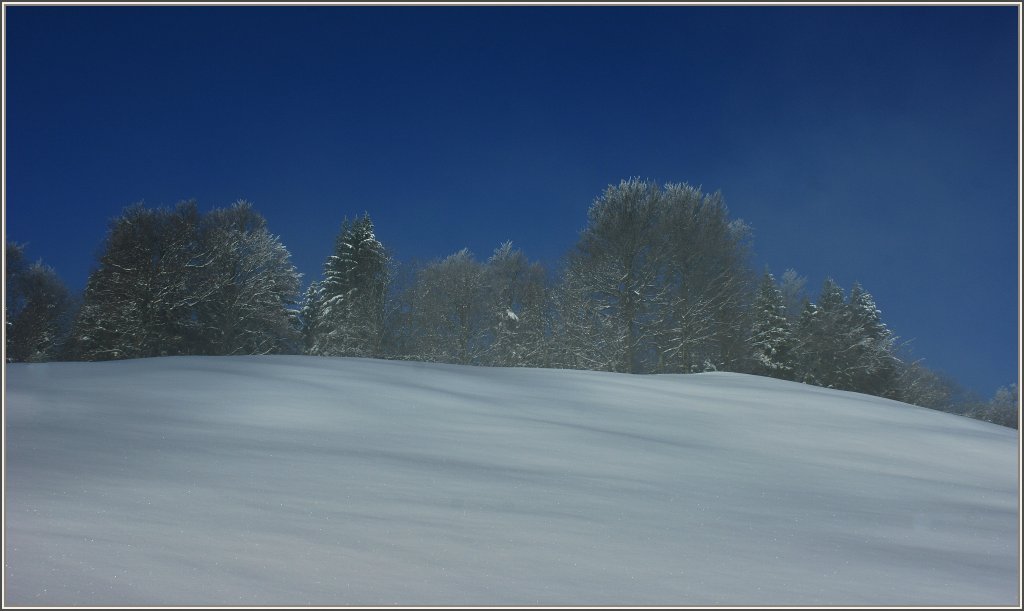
872 144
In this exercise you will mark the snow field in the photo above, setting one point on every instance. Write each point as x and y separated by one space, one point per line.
289 480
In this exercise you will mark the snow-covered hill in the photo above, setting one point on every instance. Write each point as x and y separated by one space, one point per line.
302 480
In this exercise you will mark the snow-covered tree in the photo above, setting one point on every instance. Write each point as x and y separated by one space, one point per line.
140 300
1003 408
844 344
617 264
663 279
819 341
346 314
449 311
14 297
249 285
309 313
38 309
706 284
174 281
400 338
794 293
517 301
869 354
916 384
14 266
771 340
583 336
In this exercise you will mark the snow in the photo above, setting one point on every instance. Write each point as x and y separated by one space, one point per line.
283 480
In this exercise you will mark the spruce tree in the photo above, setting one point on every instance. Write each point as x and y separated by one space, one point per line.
805 356
771 340
818 332
829 338
843 344
349 315
869 346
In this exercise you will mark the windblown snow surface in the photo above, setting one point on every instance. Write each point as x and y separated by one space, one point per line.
325 481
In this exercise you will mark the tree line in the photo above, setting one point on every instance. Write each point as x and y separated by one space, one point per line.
659 281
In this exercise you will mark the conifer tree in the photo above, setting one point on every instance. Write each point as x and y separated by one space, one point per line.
771 340
805 357
870 346
349 313
843 343
819 343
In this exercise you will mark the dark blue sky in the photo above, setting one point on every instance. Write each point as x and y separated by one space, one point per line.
872 144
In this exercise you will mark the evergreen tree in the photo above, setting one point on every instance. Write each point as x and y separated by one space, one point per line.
821 328
869 351
805 340
843 343
349 315
771 340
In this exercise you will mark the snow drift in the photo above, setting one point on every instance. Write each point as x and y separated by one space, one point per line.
321 481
